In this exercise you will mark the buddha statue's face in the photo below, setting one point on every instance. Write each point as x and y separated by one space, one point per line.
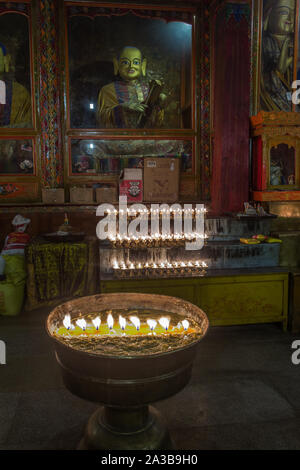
130 64
281 19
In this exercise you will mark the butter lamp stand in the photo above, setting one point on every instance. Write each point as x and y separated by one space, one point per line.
125 385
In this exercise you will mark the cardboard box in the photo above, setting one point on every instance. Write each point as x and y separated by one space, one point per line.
80 195
131 184
107 194
53 196
161 179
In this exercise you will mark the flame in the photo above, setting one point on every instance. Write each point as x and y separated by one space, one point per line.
67 322
152 324
82 323
185 324
136 322
122 322
96 322
164 322
110 321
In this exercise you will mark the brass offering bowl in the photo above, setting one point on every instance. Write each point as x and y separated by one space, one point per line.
126 384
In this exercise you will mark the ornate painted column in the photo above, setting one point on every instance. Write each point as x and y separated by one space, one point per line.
203 91
49 97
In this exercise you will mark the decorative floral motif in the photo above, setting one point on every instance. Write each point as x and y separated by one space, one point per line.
26 165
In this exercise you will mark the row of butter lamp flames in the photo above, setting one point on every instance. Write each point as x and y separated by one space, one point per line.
162 211
155 239
135 327
177 267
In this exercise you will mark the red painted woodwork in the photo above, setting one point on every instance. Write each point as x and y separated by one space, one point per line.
230 174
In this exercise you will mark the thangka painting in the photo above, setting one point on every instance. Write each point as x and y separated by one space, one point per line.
277 70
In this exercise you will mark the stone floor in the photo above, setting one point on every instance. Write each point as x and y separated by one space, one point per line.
244 392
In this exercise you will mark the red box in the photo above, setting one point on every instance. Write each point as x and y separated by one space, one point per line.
131 184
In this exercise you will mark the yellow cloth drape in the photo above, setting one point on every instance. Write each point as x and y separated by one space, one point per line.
59 270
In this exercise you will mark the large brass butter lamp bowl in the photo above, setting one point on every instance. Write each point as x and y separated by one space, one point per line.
125 351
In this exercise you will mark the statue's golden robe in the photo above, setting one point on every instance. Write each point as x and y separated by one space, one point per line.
21 106
111 113
17 110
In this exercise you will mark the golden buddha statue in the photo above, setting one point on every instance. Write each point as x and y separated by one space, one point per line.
15 101
122 103
277 55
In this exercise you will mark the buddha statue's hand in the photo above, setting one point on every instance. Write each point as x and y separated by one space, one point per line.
134 106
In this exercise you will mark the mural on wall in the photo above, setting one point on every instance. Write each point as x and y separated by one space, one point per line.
15 85
93 157
277 55
18 192
130 72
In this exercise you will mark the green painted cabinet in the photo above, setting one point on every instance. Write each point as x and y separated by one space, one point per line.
294 299
185 288
244 299
227 300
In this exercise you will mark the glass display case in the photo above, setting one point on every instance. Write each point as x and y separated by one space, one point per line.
130 91
19 139
161 241
275 156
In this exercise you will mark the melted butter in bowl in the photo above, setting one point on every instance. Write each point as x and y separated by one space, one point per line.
129 340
